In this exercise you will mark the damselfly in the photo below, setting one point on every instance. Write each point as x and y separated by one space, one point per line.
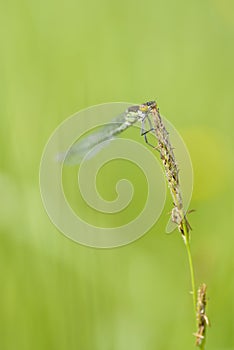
98 139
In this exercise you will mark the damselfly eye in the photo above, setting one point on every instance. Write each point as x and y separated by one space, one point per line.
151 104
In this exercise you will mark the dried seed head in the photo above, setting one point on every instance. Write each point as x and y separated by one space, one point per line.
202 319
171 171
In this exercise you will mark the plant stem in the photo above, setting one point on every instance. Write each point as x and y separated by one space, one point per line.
178 216
192 276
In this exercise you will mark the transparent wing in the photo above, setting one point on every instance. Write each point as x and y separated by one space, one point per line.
94 141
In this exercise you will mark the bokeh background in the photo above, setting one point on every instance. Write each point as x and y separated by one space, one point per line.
58 57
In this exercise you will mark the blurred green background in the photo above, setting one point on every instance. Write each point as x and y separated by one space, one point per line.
58 57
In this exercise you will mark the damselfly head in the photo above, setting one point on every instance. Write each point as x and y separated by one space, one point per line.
148 106
151 104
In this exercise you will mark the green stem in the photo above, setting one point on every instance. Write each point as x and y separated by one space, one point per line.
187 244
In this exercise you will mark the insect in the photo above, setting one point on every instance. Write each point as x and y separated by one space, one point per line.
138 113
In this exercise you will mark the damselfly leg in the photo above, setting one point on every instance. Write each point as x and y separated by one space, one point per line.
144 131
